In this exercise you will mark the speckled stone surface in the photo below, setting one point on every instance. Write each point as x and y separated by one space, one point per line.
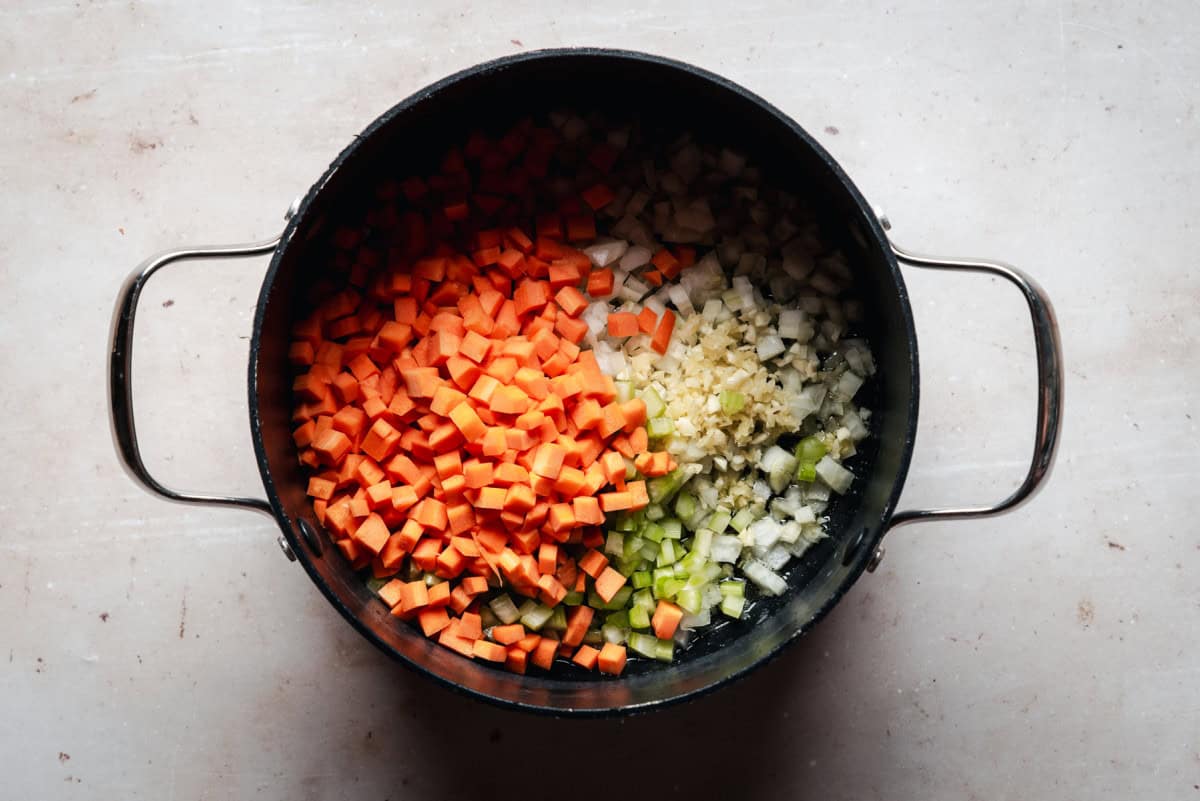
152 651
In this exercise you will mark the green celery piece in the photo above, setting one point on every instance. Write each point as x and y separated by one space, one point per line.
624 522
810 450
615 544
639 618
654 532
718 521
624 391
743 519
620 619
654 403
806 471
731 402
643 644
732 588
487 617
685 505
644 599
689 600
558 620
659 427
655 512
666 552
663 488
673 586
664 650
537 618
632 546
732 606
613 634
672 528
641 579
573 598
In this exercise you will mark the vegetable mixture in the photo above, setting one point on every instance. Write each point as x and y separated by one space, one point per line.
537 408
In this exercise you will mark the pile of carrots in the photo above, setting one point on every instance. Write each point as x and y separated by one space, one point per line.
449 416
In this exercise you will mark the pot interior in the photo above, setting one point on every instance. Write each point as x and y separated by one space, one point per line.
411 139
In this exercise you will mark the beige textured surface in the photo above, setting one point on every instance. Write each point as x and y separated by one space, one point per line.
155 651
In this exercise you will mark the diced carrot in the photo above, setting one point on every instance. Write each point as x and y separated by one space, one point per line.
639 440
608 582
547 557
665 620
439 594
615 501
432 620
413 595
587 510
578 620
600 283
467 421
622 324
662 334
586 657
490 651
331 446
612 659
509 634
593 563
647 320
544 653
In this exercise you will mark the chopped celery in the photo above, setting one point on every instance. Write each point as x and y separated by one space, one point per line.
558 620
649 550
666 552
718 521
631 471
806 471
573 598
810 450
702 543
654 403
487 617
624 391
624 522
627 567
613 634
641 579
537 617
660 427
663 488
691 561
639 618
632 546
655 512
732 605
664 650
689 600
644 599
732 402
505 609
743 519
526 607
654 532
593 637
685 505
620 619
672 528
671 587
733 589
643 644
615 544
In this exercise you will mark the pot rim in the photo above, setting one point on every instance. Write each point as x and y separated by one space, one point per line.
871 228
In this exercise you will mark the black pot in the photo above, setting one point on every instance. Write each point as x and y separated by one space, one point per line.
650 88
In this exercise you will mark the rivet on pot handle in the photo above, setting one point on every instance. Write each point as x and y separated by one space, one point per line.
120 386
1050 385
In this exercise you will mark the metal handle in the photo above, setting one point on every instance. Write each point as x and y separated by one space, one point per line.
1050 386
120 386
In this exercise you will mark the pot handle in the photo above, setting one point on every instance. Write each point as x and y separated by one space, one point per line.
1050 386
120 387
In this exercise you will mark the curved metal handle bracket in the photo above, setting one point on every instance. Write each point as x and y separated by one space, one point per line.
120 386
1048 350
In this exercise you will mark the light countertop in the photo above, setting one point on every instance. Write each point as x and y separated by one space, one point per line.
149 650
